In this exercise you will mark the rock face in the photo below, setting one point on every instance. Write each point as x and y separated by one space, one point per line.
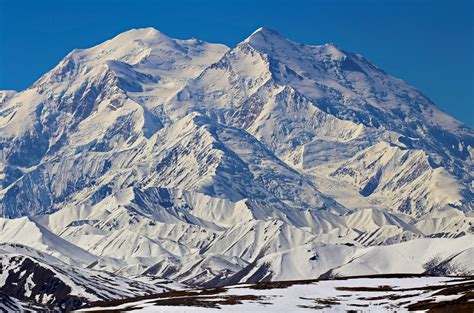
34 277
205 164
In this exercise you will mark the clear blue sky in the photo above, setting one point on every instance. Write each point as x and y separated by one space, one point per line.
427 43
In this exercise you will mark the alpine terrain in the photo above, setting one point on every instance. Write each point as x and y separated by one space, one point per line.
147 164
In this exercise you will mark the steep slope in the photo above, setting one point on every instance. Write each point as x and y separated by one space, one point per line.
450 223
314 260
368 94
27 232
310 105
314 105
255 239
43 280
309 261
227 157
83 104
415 256
404 177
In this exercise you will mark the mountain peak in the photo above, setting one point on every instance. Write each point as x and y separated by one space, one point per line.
269 41
265 31
265 34
130 46
195 163
147 34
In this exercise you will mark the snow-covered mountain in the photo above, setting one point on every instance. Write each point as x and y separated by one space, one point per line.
147 158
38 278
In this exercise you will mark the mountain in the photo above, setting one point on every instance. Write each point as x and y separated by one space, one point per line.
147 158
31 276
420 256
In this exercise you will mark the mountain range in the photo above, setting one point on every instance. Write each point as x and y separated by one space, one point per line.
146 163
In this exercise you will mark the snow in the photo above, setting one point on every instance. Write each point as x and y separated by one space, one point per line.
305 297
395 176
406 257
75 281
26 232
163 158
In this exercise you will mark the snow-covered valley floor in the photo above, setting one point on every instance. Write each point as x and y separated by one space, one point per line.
369 294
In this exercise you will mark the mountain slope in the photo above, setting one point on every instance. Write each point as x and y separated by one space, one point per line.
46 281
156 158
315 260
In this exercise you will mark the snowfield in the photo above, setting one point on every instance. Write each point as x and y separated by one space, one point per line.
359 294
149 164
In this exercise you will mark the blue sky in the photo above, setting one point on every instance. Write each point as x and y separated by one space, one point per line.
427 43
